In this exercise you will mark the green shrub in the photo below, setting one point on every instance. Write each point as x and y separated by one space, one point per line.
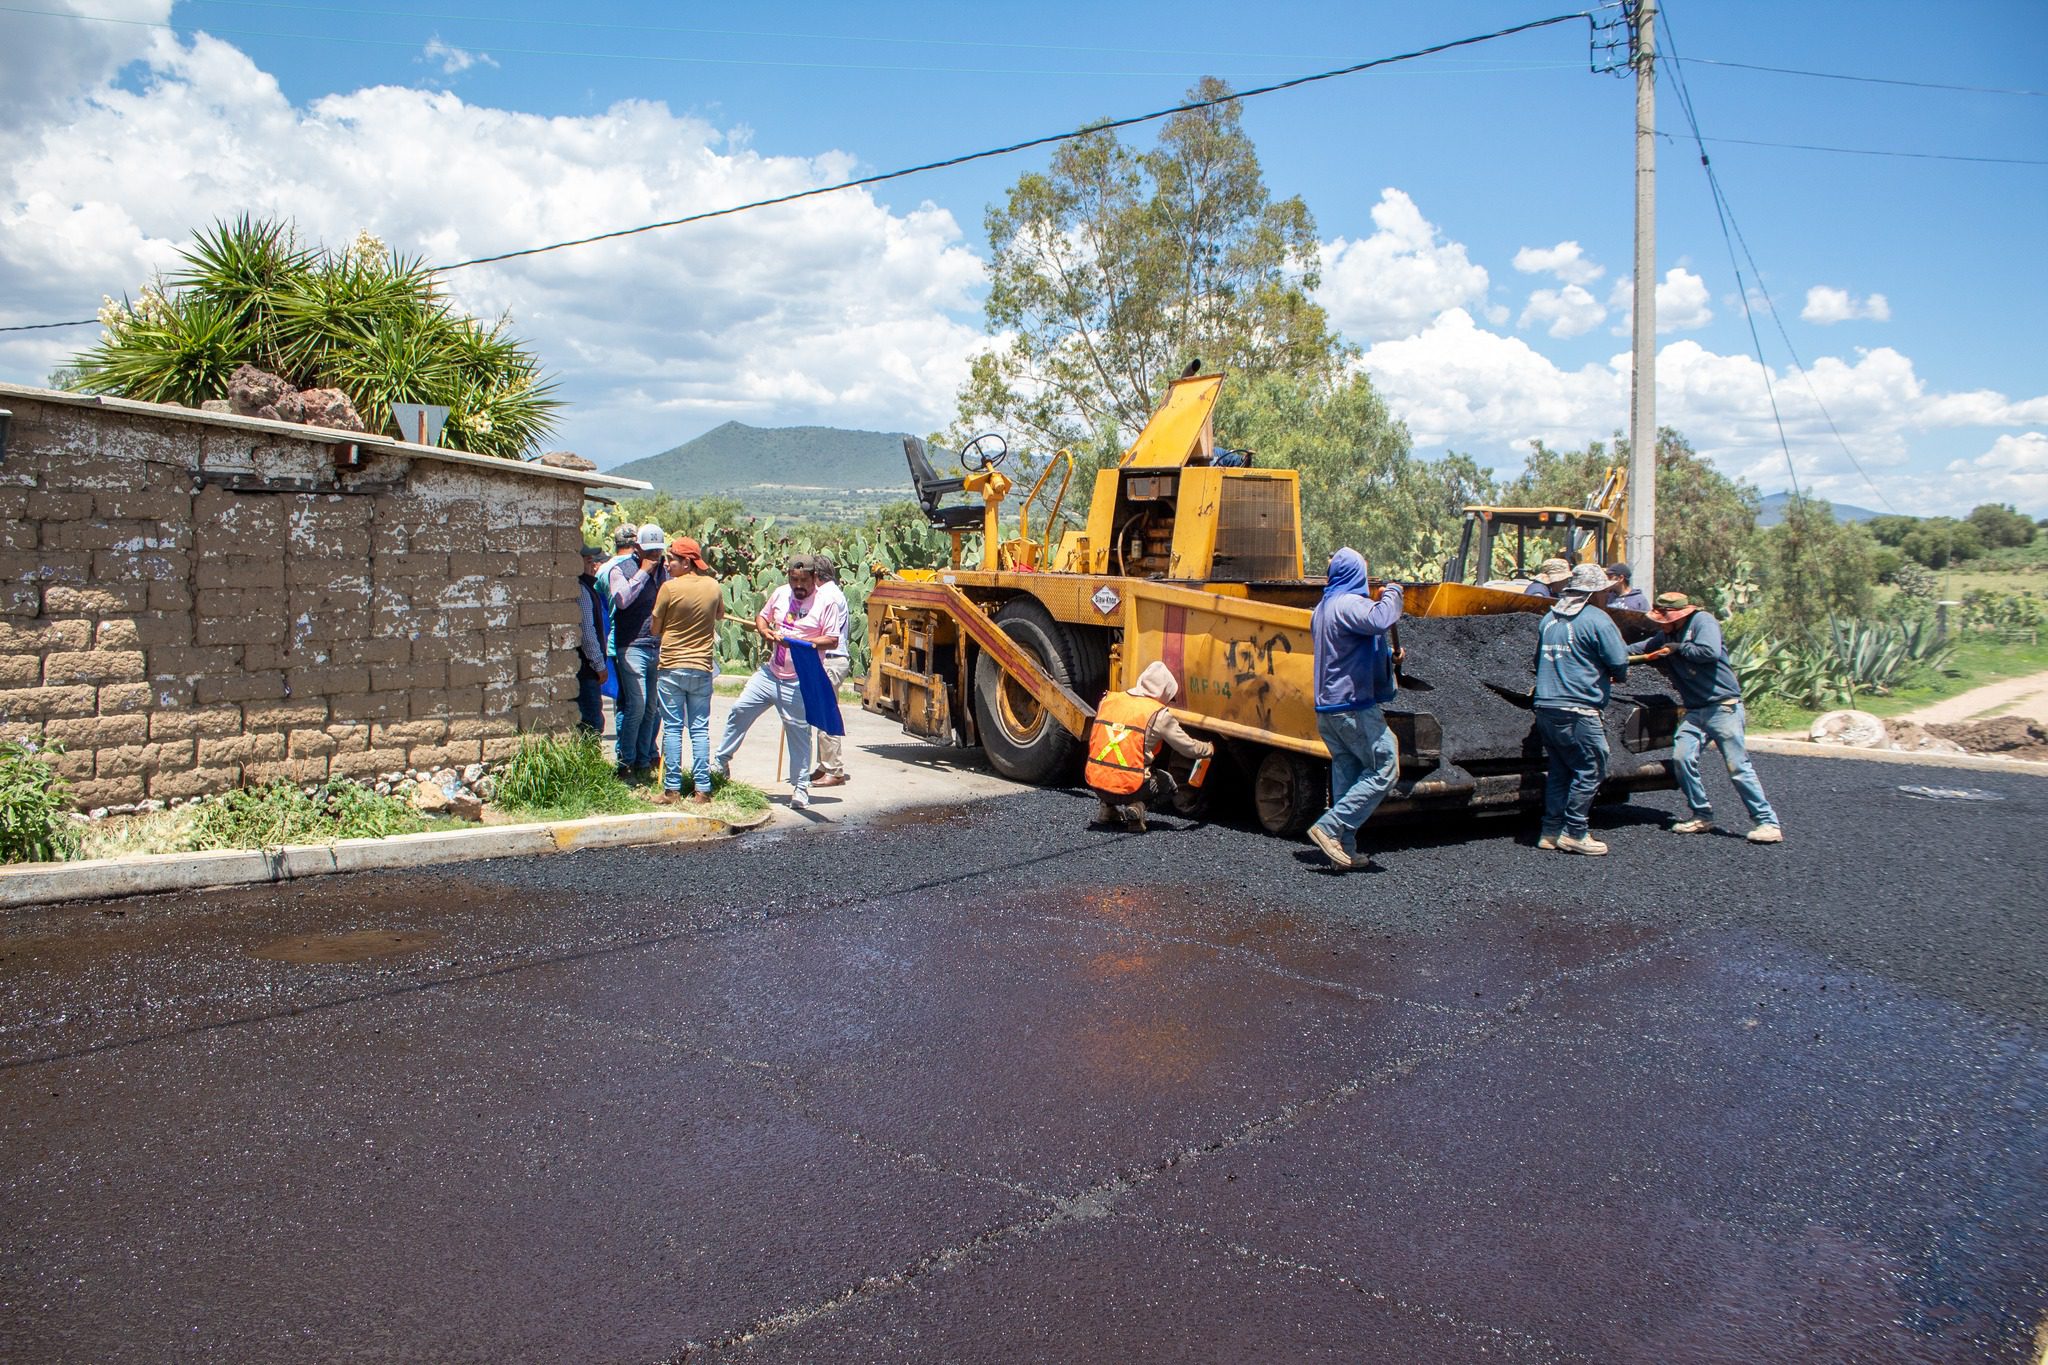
281 813
565 776
35 807
1774 713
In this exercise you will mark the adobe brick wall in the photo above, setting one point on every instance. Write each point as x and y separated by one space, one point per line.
191 602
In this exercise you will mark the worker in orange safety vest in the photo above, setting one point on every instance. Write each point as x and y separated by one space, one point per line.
1130 730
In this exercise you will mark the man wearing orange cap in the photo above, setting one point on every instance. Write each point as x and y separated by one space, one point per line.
685 623
1692 652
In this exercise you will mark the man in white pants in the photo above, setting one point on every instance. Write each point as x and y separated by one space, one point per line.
831 769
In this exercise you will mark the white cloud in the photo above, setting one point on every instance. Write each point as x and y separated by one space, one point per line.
1826 305
454 60
1394 282
1460 385
48 60
1569 311
1565 260
1682 303
2014 470
834 310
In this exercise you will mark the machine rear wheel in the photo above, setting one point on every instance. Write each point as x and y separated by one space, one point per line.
1288 792
1023 742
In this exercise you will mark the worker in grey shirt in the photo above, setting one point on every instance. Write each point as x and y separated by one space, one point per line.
1579 656
1691 651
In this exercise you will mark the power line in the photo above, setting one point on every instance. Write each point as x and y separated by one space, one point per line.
1869 80
1865 151
962 160
1047 140
1731 233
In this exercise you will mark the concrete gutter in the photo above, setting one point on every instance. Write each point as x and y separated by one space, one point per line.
148 873
1981 763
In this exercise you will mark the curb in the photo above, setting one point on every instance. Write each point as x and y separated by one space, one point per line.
1980 763
149 873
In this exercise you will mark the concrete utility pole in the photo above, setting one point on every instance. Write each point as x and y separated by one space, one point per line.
1642 423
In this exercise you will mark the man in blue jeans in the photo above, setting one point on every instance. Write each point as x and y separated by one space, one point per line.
1354 678
1579 656
1692 652
686 616
634 584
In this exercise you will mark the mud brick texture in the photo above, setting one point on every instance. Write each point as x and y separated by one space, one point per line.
190 602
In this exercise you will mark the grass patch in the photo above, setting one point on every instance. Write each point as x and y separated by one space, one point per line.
565 777
35 808
125 836
282 813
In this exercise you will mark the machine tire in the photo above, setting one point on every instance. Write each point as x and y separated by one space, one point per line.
1288 792
1024 743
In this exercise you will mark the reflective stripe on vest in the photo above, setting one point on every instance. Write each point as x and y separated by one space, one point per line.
1117 752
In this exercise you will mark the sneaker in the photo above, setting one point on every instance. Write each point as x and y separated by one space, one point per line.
1767 834
1327 842
799 800
1587 845
1548 843
1696 825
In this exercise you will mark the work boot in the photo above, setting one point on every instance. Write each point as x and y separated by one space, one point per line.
700 798
1584 843
668 798
624 772
1106 814
1134 819
1332 848
1699 824
1767 834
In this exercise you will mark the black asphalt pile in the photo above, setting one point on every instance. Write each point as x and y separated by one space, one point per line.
1475 675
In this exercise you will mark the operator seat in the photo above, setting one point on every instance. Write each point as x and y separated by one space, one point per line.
931 488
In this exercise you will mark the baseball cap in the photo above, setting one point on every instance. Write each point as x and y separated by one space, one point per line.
625 536
687 550
653 538
1620 570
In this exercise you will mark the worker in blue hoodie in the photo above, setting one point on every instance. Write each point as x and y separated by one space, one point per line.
1354 678
1579 656
1692 652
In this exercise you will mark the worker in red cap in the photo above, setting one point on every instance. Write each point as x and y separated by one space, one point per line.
1691 651
685 624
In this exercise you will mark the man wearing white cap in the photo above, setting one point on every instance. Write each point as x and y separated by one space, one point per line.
1579 656
634 586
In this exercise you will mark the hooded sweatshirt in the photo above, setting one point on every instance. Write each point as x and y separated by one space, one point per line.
1156 682
1354 664
1579 654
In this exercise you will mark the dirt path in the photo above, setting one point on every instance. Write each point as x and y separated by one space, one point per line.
2026 697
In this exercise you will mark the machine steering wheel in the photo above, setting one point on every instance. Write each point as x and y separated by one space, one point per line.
975 456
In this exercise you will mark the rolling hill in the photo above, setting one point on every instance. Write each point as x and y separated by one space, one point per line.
825 472
1773 510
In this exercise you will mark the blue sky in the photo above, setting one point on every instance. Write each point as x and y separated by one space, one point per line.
1476 207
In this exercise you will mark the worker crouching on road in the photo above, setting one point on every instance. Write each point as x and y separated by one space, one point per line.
1130 729
1354 678
1579 657
1692 652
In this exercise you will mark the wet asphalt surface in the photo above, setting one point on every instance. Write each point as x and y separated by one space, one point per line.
992 1085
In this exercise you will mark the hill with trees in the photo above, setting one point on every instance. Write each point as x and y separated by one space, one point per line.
820 473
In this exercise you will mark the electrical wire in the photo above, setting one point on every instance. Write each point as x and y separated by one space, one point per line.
1105 125
1866 151
1731 233
1870 80
1046 140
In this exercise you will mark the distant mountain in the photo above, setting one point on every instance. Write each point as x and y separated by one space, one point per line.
779 464
1773 510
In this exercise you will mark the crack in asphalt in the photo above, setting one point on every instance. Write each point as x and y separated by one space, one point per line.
1099 1200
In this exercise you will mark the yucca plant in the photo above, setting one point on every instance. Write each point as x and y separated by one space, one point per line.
363 320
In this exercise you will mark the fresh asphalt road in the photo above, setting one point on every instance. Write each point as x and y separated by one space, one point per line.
991 1085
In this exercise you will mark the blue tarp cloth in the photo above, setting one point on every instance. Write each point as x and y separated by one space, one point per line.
821 703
